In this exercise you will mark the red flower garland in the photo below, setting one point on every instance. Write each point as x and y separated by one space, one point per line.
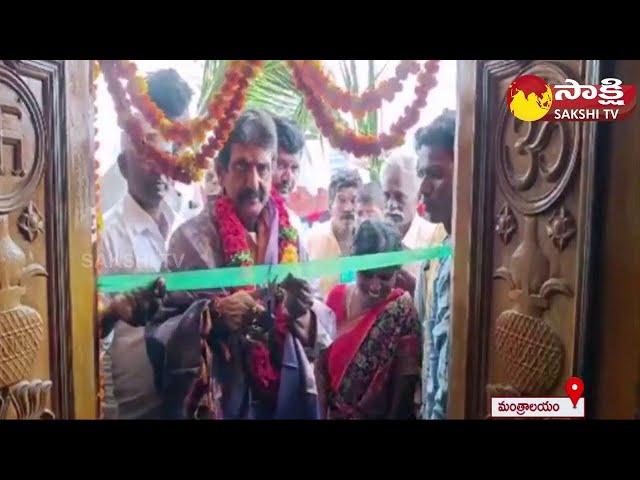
348 140
234 235
324 88
97 224
187 166
194 130
236 251
266 379
287 235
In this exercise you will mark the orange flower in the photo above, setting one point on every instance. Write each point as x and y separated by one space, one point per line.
322 86
141 85
319 96
236 78
165 125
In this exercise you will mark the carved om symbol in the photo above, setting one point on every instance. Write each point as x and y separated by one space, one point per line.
533 144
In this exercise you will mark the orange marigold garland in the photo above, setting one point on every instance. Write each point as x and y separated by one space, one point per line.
196 129
96 230
187 166
323 87
346 139
223 128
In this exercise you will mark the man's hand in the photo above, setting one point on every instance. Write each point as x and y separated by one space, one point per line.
135 308
298 297
151 300
298 302
237 310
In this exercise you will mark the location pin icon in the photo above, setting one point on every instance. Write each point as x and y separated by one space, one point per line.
574 389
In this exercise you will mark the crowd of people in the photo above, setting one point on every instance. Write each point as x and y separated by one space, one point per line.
368 344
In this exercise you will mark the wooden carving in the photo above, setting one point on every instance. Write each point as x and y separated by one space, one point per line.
30 222
22 141
531 351
561 228
29 399
534 164
54 139
522 234
21 327
536 159
506 224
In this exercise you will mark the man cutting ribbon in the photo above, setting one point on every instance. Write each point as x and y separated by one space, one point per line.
234 354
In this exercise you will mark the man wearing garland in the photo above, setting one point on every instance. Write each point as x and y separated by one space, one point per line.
287 169
245 354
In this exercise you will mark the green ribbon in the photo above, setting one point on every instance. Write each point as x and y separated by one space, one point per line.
227 277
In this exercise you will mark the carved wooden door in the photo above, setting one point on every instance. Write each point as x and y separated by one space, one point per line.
46 280
522 234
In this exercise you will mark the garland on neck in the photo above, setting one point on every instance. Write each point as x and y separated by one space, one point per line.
236 251
233 234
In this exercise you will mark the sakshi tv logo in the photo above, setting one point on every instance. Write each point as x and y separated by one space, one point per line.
530 98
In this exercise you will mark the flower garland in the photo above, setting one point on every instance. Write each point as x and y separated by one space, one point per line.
196 129
187 166
237 253
94 68
323 87
346 139
234 235
287 235
165 163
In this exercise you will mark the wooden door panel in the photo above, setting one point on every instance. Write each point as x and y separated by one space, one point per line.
522 229
38 193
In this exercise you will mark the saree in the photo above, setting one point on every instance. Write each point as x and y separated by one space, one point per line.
358 370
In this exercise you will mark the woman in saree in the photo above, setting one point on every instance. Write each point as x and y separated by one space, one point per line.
372 368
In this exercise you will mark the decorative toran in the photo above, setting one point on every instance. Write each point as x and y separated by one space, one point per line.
322 97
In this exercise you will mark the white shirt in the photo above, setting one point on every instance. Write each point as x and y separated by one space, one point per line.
321 244
131 243
296 223
419 235
186 201
131 240
326 328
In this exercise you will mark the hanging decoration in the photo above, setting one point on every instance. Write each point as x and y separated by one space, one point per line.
344 138
223 111
97 225
323 87
322 97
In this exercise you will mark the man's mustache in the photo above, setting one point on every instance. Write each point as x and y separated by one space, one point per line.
394 215
249 195
348 216
286 187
